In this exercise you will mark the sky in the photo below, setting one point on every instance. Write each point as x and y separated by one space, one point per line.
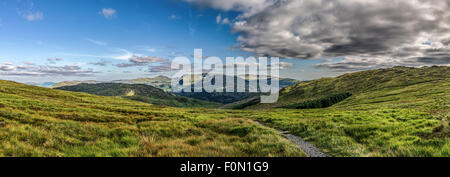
104 40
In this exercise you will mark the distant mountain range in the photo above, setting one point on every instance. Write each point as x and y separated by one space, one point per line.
71 83
161 82
164 83
231 97
139 92
42 84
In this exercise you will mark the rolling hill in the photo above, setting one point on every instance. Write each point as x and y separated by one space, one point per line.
139 92
395 112
366 87
164 83
42 122
232 97
389 112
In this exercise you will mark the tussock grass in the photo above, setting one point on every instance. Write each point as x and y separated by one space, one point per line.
39 122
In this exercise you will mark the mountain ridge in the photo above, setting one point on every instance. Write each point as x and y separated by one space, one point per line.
138 92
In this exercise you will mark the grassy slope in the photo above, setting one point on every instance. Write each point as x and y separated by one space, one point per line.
139 92
364 83
403 113
393 112
44 122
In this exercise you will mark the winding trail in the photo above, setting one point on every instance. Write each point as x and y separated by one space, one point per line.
306 147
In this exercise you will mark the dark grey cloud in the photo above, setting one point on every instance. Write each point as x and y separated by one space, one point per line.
366 33
248 7
245 65
43 70
436 56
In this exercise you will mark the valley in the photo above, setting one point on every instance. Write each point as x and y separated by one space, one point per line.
139 92
395 112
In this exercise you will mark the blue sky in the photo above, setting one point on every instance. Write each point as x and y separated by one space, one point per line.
90 38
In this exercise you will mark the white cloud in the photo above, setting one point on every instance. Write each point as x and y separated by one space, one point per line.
126 55
6 67
33 16
286 64
96 42
108 13
146 59
81 55
146 48
174 17
150 50
40 42
219 18
226 21
141 61
222 20
27 11
29 69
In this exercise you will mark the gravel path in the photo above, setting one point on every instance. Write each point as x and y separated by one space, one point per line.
306 147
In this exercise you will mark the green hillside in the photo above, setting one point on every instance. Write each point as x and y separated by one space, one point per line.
38 121
164 83
232 97
139 92
368 87
391 112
